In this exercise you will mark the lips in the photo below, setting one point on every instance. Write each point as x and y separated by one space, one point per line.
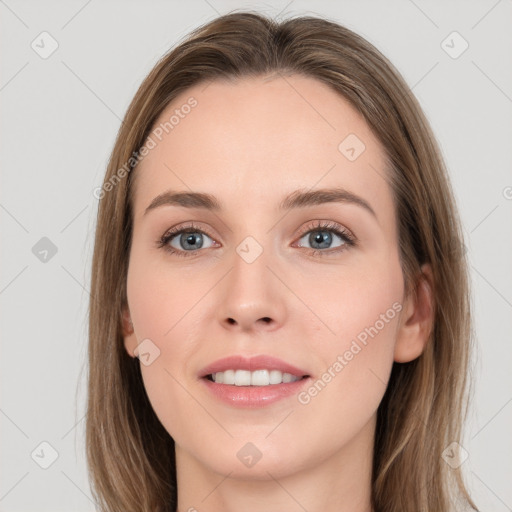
252 364
230 380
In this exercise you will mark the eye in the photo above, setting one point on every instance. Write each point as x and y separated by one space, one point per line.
327 235
324 238
183 240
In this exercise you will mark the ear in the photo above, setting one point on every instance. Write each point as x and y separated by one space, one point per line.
417 319
130 341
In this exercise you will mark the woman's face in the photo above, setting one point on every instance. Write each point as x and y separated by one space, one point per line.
290 266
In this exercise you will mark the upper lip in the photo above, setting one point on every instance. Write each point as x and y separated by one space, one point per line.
262 362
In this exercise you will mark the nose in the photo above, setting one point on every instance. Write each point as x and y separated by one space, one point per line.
251 297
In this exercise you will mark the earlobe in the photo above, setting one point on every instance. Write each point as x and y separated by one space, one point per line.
417 319
130 341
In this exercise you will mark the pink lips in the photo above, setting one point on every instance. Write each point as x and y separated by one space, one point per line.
253 396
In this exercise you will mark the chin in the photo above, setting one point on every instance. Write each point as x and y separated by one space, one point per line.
259 459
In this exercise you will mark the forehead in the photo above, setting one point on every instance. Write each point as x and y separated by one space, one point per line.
263 137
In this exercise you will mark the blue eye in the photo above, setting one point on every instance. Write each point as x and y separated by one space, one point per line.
323 239
320 236
184 240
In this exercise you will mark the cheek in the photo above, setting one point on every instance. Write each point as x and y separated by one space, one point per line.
357 364
357 303
360 314
161 298
162 309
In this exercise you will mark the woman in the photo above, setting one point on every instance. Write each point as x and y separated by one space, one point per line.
281 314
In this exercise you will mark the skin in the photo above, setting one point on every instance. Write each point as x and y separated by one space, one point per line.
249 143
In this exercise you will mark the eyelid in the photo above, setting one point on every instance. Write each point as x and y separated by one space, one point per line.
190 225
327 225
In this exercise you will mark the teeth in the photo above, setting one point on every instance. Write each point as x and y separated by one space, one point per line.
256 378
275 377
242 378
260 378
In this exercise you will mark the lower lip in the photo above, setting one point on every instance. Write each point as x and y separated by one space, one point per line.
254 396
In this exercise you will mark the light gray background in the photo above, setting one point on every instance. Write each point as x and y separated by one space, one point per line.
59 119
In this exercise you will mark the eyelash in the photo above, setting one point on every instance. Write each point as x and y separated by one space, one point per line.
347 237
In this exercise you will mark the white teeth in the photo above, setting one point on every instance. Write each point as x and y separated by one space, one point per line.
242 378
287 377
256 378
229 376
260 378
275 377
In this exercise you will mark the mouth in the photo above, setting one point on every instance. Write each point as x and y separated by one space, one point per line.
252 382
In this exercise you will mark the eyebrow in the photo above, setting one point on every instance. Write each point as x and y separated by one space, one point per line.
297 199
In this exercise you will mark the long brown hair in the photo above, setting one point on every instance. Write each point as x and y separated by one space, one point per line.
130 454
